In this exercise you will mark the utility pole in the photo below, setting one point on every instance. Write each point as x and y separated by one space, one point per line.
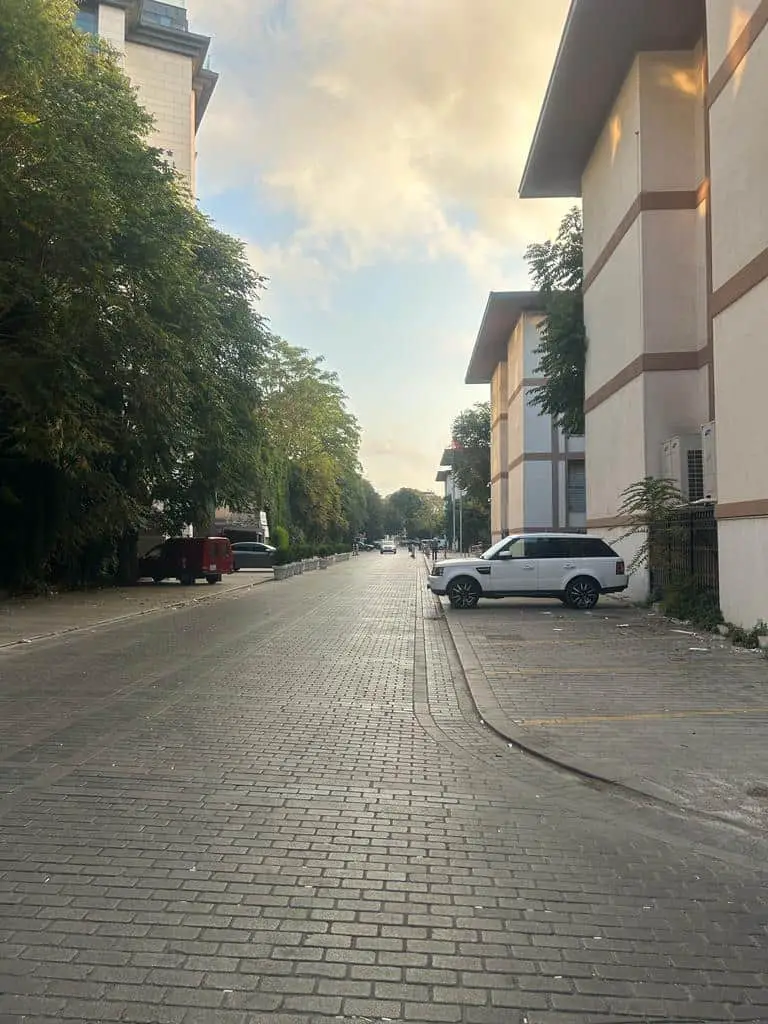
453 509
461 523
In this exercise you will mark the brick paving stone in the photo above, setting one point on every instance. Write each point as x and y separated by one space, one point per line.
283 808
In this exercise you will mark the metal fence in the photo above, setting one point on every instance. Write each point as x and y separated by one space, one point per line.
684 550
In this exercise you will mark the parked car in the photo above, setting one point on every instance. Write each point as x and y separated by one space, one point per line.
188 559
570 566
388 547
253 554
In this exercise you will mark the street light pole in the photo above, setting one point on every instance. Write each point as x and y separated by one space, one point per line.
461 523
453 509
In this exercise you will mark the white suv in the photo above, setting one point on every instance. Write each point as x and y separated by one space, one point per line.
571 566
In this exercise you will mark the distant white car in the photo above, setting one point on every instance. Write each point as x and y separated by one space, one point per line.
388 547
571 566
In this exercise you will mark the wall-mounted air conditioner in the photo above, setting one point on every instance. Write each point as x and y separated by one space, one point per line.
709 460
681 462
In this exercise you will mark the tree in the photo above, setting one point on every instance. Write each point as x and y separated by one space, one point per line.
314 443
413 513
471 433
557 270
129 348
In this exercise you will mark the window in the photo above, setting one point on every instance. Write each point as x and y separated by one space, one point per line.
592 547
87 19
514 549
548 547
576 488
695 474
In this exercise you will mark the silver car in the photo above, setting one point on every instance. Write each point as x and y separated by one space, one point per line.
253 554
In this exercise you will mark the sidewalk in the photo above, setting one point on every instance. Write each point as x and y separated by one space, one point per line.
626 696
26 619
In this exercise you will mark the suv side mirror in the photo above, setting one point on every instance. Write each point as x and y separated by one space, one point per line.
504 554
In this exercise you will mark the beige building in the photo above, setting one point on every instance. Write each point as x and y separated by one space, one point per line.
655 116
165 62
537 472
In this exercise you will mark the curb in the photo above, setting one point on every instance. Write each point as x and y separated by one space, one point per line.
493 718
174 606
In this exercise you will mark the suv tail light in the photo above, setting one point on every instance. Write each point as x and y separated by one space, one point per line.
620 570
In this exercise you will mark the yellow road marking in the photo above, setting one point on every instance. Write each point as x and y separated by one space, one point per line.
643 716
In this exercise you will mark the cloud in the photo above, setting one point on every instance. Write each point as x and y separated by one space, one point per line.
388 128
306 273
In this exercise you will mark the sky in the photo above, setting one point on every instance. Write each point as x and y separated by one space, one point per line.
369 152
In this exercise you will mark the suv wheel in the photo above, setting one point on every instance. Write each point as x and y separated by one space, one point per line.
582 593
464 593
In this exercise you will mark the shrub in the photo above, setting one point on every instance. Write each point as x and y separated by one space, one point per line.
685 600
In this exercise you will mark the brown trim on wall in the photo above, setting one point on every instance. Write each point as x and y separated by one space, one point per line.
672 199
737 52
742 282
499 476
755 509
554 456
526 382
608 523
499 419
648 362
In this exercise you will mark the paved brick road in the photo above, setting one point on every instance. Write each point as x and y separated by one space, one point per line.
281 808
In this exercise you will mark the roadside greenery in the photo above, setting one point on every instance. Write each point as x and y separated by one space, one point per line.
557 271
139 387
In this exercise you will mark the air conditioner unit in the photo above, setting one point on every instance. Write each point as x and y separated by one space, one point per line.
681 462
709 460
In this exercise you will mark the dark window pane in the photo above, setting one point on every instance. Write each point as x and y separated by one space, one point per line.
592 547
547 547
576 488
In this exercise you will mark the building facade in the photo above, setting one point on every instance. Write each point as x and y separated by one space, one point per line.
537 472
672 182
166 64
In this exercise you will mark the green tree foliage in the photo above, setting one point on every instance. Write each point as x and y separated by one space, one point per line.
315 489
412 513
471 433
138 385
646 506
557 270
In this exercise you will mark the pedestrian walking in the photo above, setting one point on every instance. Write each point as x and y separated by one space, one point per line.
435 548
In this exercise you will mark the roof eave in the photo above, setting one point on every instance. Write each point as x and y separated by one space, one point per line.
508 307
599 42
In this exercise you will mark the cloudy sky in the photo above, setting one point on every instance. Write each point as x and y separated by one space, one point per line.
369 153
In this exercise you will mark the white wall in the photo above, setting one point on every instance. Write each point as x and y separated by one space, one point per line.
739 161
741 393
611 179
725 21
615 449
743 558
537 426
671 101
674 281
164 85
614 313
538 494
530 342
112 26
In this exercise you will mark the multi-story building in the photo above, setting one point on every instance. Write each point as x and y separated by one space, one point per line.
165 62
537 471
654 116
